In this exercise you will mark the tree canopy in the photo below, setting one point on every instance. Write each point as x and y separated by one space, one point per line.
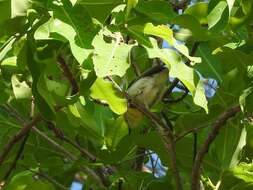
93 90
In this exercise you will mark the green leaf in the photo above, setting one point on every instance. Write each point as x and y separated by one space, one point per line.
153 141
185 74
25 181
40 185
13 8
5 7
240 177
137 32
198 11
245 100
166 33
247 6
105 91
230 5
4 95
44 91
110 58
6 47
10 61
168 56
19 8
92 119
68 33
100 9
130 5
20 89
218 15
191 80
72 24
73 2
189 22
227 148
36 68
200 97
115 130
159 11
210 66
20 181
240 146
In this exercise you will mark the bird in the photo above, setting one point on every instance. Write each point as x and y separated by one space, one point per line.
147 90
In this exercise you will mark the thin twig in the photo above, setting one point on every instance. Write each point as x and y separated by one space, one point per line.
166 119
17 157
192 130
85 152
138 165
152 164
47 177
134 157
17 137
221 121
12 112
68 154
195 144
54 143
59 134
171 88
186 91
50 179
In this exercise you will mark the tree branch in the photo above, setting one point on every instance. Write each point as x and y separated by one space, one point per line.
221 121
31 126
166 135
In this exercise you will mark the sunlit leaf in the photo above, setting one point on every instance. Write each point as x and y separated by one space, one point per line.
110 58
105 91
20 89
166 33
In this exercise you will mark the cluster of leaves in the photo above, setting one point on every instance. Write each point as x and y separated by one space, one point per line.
65 68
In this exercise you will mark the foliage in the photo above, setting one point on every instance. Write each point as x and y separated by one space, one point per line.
65 112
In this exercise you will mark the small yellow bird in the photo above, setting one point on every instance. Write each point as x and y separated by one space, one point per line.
148 89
